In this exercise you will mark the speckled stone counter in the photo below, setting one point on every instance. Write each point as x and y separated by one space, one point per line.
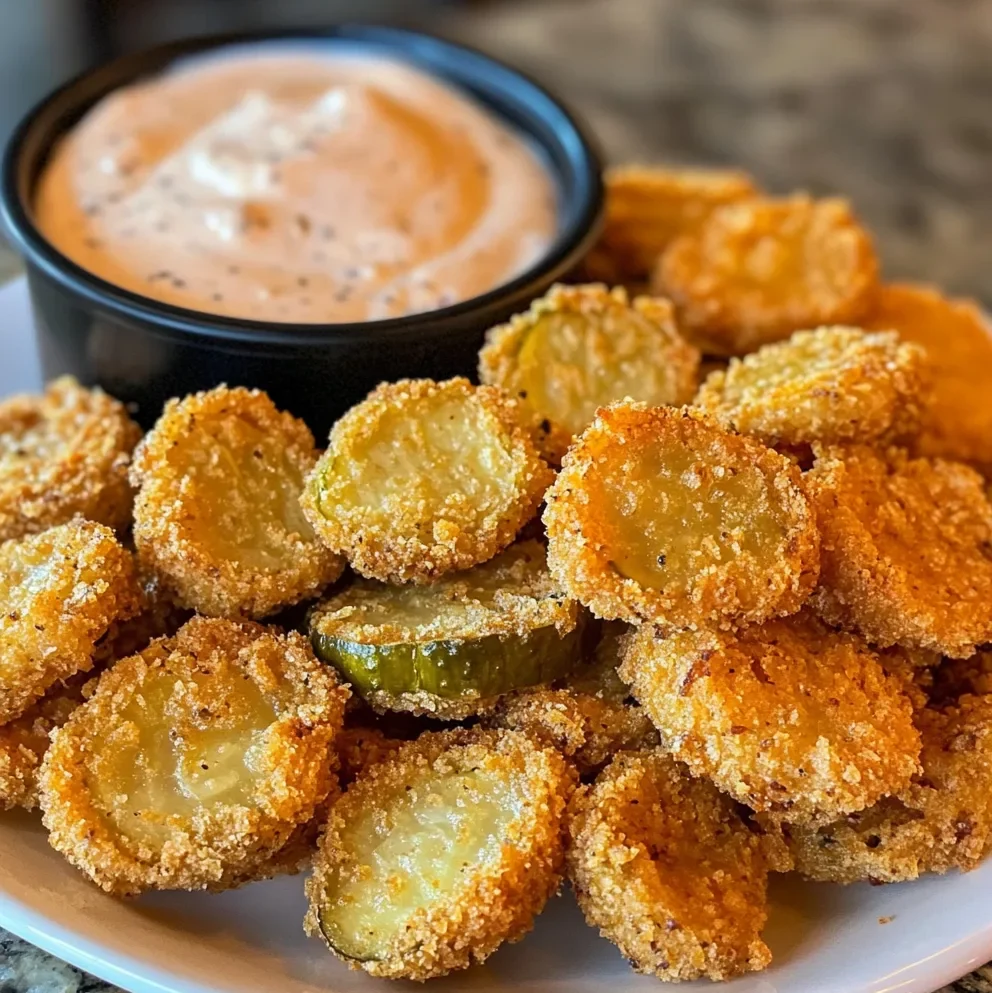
887 101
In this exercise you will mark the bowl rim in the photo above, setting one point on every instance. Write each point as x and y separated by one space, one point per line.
427 53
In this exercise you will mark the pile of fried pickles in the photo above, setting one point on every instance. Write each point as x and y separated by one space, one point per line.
693 588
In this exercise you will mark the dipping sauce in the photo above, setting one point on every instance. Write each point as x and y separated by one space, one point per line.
297 186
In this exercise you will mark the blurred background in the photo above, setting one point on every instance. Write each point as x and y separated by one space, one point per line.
886 101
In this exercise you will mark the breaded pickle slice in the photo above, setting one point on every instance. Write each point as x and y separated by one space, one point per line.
438 854
581 347
661 515
424 478
664 866
788 716
450 648
833 384
756 271
195 763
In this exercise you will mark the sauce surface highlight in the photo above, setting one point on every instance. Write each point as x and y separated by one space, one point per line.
297 187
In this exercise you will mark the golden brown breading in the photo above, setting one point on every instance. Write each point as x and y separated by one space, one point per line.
666 869
788 716
61 591
436 856
660 515
940 821
906 554
196 762
957 677
831 385
647 207
424 478
217 514
64 454
956 335
758 270
579 348
361 747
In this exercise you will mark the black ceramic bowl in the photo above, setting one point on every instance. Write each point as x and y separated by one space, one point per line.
144 351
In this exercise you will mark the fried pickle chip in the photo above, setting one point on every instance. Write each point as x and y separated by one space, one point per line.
437 855
758 270
666 869
61 592
582 347
906 555
425 478
588 716
660 515
359 748
942 820
830 385
958 341
217 514
787 717
195 762
64 454
647 207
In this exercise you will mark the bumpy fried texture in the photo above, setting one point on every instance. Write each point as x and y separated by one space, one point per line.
906 552
648 207
359 748
217 514
62 455
830 385
582 347
437 855
956 336
195 762
788 716
663 865
589 716
759 270
660 515
956 677
424 478
942 820
61 591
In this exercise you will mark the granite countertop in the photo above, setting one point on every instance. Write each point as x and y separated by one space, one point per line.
886 101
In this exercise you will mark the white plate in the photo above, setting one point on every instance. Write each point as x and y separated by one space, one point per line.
910 938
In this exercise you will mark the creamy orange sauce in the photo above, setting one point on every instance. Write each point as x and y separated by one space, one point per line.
297 186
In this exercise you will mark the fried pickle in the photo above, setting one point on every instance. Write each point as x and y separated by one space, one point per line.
956 336
359 748
424 478
906 551
440 853
758 270
660 515
787 717
61 592
666 869
830 385
582 347
217 514
64 454
196 762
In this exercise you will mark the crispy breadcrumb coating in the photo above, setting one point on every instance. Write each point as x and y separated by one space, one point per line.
758 270
579 348
830 385
906 551
64 454
425 478
440 853
788 716
195 762
956 336
660 515
217 514
957 677
666 869
648 207
61 592
942 820
361 747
